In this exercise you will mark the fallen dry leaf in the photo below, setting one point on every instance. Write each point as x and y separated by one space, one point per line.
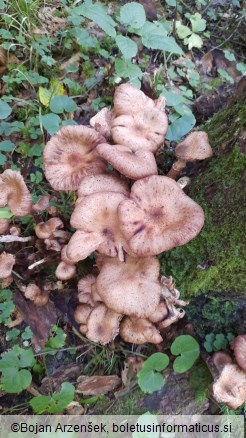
97 385
65 373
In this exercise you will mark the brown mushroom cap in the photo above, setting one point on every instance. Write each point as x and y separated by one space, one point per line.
82 313
230 388
128 100
158 216
139 331
103 325
133 164
64 271
42 204
132 287
34 293
195 147
239 347
160 313
14 192
7 262
44 230
70 155
64 256
220 359
87 292
4 225
102 122
97 220
101 183
144 130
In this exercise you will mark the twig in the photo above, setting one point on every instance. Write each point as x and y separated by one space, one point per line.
10 238
39 262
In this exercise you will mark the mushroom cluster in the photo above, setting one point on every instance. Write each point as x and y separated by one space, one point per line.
126 224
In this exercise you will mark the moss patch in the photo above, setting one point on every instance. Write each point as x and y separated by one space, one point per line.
215 260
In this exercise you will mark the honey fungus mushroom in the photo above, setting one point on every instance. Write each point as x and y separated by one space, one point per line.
230 388
132 287
33 292
158 216
139 331
129 99
101 183
7 262
44 230
102 122
239 347
14 193
194 147
70 155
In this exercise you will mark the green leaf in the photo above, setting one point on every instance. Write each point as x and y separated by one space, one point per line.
181 127
56 403
198 23
127 47
3 159
188 350
133 15
157 361
61 104
5 213
230 337
40 403
225 75
51 122
14 381
241 67
182 31
5 110
27 358
6 146
154 36
193 41
149 381
9 360
229 55
208 346
27 334
171 3
13 334
98 13
125 69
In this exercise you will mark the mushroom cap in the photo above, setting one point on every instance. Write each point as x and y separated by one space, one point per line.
14 192
194 147
160 313
143 130
42 204
32 291
158 216
44 230
87 292
4 225
128 99
82 313
102 122
7 262
101 183
239 347
103 325
70 155
139 331
97 218
64 257
132 287
133 164
82 244
230 388
220 359
64 271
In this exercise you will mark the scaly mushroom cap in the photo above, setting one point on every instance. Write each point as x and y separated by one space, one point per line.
70 155
97 220
82 313
195 147
102 122
239 347
65 271
158 216
139 331
101 183
7 262
160 313
143 130
4 225
134 165
44 230
230 388
128 100
14 192
103 325
132 287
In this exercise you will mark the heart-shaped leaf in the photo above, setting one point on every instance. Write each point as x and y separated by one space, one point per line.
187 349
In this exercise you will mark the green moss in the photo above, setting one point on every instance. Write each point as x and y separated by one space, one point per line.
215 260
126 405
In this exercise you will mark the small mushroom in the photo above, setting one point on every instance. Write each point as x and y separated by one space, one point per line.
129 99
160 313
230 388
158 216
102 122
220 359
132 287
82 313
33 292
42 204
139 331
103 324
14 193
87 291
239 347
132 164
65 271
7 262
44 230
70 155
195 147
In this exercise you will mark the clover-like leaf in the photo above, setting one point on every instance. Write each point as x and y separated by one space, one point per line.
187 349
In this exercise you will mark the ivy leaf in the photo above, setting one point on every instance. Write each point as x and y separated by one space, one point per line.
198 24
187 349
14 380
149 381
51 122
180 127
182 31
127 47
97 13
133 15
154 36
194 41
61 104
5 110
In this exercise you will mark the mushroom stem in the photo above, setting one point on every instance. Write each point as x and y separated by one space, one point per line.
176 169
10 238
